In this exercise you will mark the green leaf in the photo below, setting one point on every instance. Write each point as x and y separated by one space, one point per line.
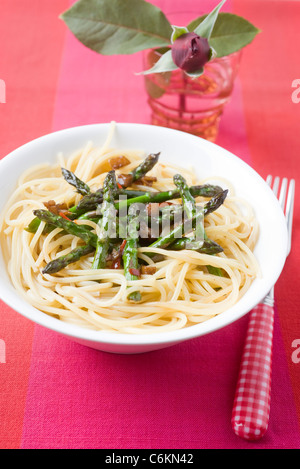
164 64
195 74
204 29
153 89
118 26
177 32
156 85
230 33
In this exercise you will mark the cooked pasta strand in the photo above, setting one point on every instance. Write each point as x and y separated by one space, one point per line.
180 293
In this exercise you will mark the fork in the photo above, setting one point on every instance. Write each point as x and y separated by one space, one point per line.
251 407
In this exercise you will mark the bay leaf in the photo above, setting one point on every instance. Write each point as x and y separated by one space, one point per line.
118 26
177 32
206 26
153 89
230 33
164 64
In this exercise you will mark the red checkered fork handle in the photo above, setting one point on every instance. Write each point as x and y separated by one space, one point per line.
250 416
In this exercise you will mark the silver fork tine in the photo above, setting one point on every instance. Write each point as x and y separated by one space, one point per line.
276 185
269 180
286 200
282 195
289 211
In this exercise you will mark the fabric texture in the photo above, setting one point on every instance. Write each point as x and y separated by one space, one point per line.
55 393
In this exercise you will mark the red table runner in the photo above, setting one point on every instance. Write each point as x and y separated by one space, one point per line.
58 394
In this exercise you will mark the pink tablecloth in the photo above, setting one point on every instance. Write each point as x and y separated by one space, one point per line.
58 394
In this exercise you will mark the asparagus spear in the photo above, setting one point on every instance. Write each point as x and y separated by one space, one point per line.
93 215
35 223
206 247
91 239
61 262
87 203
109 194
141 170
188 200
215 270
67 225
213 204
145 166
130 254
91 200
189 206
71 178
205 190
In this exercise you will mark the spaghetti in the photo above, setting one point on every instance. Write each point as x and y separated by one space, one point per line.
177 287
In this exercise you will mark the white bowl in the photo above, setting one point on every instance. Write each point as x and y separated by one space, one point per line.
182 149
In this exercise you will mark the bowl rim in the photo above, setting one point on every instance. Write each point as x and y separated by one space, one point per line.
162 337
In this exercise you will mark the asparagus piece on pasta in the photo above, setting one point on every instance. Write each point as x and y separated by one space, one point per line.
188 199
105 223
215 270
145 166
91 200
130 254
91 239
71 178
87 203
205 247
67 225
73 256
177 232
199 235
141 170
35 223
215 202
205 190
